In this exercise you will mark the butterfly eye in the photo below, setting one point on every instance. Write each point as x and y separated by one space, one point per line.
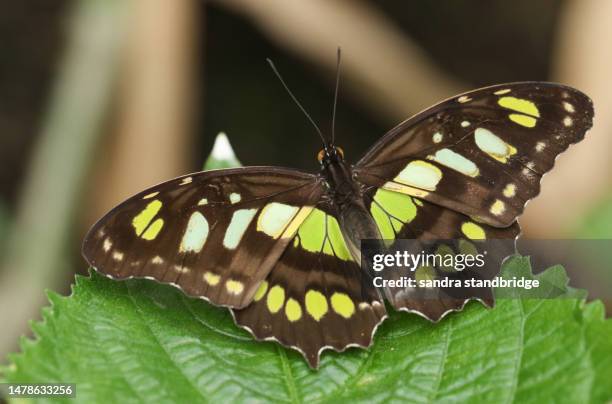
321 155
340 152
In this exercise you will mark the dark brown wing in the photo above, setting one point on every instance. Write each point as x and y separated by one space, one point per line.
482 153
316 297
215 234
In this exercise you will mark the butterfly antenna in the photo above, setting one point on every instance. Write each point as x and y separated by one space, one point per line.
333 128
325 144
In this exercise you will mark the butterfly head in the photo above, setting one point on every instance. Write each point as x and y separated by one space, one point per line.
329 155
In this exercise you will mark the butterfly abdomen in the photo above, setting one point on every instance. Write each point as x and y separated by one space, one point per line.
357 224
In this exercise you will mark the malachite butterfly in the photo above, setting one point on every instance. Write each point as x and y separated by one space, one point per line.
280 247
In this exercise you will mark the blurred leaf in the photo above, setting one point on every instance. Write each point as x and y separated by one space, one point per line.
598 222
222 154
138 340
4 226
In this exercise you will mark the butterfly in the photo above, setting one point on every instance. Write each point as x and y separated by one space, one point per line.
281 247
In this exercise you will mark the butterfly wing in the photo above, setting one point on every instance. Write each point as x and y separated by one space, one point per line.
400 216
482 153
215 234
316 296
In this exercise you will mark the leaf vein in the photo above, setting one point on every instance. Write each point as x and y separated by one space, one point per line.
163 348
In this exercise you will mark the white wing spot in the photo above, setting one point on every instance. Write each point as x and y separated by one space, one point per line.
437 137
235 197
181 269
456 161
196 234
237 227
567 121
498 207
157 260
528 170
210 278
234 287
186 180
464 98
491 144
569 107
420 174
108 244
540 146
275 217
203 201
510 190
151 195
118 256
502 92
465 124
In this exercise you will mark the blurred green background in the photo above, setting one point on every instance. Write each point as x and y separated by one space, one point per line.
102 98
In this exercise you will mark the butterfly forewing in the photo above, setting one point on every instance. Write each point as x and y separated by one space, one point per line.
482 153
316 296
215 234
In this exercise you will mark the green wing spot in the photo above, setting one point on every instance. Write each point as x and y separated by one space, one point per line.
397 225
313 231
383 222
144 218
467 247
425 273
336 239
400 207
447 255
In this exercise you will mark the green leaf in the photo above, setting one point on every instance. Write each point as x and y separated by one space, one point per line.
597 223
138 340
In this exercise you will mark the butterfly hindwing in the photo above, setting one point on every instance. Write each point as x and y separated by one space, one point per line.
215 234
316 296
441 231
482 153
